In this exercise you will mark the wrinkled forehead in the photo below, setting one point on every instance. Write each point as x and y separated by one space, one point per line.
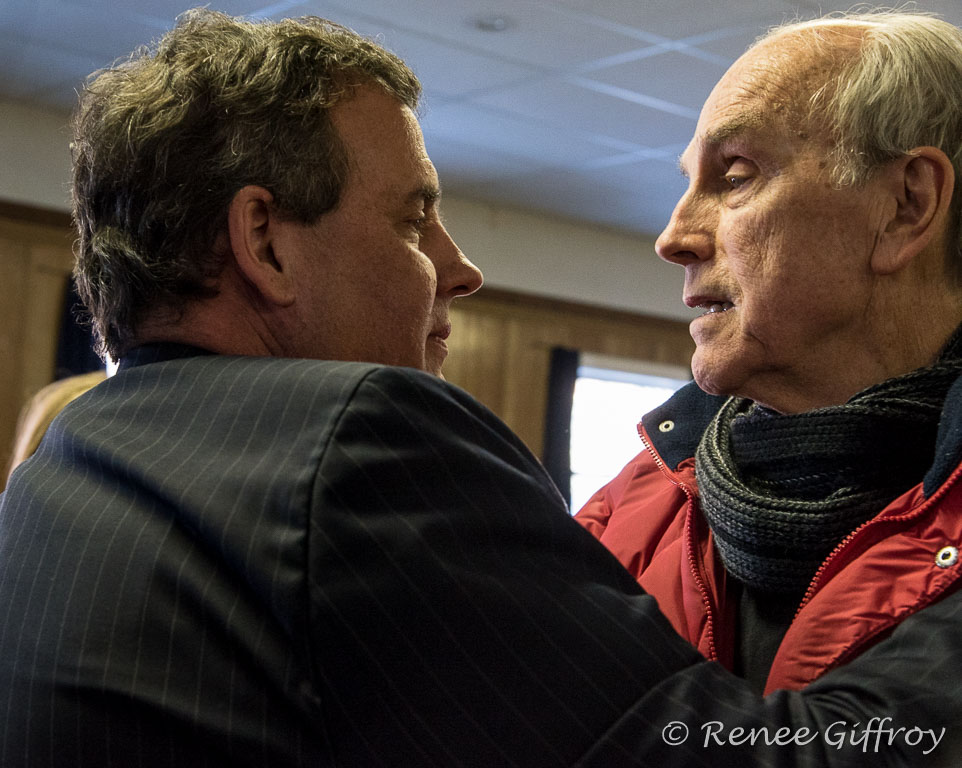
767 92
775 78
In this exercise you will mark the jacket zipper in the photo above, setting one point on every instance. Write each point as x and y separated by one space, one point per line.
910 515
693 563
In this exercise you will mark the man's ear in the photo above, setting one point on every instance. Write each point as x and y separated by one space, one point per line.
252 224
922 182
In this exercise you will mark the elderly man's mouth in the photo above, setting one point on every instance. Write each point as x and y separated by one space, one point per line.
718 307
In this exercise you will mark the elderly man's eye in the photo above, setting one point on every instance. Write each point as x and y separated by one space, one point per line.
738 172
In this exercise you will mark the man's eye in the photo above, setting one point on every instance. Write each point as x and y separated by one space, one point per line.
738 173
419 224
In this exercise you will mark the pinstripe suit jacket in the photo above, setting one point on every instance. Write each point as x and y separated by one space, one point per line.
251 561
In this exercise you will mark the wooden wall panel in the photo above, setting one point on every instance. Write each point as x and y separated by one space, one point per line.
35 259
14 273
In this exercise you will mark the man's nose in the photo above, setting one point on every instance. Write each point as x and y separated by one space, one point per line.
689 235
457 275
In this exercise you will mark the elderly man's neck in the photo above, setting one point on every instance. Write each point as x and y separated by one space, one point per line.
908 341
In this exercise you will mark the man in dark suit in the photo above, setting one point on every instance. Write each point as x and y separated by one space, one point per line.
260 545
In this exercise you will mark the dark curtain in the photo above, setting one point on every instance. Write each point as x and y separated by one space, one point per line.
557 436
75 344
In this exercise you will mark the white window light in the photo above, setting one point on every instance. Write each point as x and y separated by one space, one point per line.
611 395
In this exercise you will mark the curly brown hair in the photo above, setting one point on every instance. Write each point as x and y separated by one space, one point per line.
163 141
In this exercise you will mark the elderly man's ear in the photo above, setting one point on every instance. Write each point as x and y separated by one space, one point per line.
920 186
257 244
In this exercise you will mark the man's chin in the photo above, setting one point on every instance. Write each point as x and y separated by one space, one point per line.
434 356
712 376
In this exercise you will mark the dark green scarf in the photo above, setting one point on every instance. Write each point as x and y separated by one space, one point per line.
781 491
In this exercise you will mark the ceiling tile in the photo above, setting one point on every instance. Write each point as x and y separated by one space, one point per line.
80 30
671 19
670 76
486 129
29 71
168 10
465 169
536 33
640 174
580 197
735 40
450 71
581 109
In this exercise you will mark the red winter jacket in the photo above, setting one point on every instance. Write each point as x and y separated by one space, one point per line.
898 563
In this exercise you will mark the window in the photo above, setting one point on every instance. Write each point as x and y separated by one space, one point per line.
610 397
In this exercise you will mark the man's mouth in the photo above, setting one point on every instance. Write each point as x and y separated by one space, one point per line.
441 332
714 308
710 304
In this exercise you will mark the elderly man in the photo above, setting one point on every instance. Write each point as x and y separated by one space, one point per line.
243 551
787 528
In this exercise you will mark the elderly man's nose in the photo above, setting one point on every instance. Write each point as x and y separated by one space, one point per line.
688 234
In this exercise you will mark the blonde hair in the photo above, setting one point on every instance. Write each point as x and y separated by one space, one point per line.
36 416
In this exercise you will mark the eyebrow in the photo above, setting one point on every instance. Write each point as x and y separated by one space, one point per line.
743 122
429 193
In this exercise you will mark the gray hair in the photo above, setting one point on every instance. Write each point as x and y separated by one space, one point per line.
895 84
164 140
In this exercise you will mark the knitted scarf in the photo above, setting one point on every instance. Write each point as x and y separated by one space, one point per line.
780 491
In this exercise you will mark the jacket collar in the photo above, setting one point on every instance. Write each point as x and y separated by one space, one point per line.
160 352
948 443
676 426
